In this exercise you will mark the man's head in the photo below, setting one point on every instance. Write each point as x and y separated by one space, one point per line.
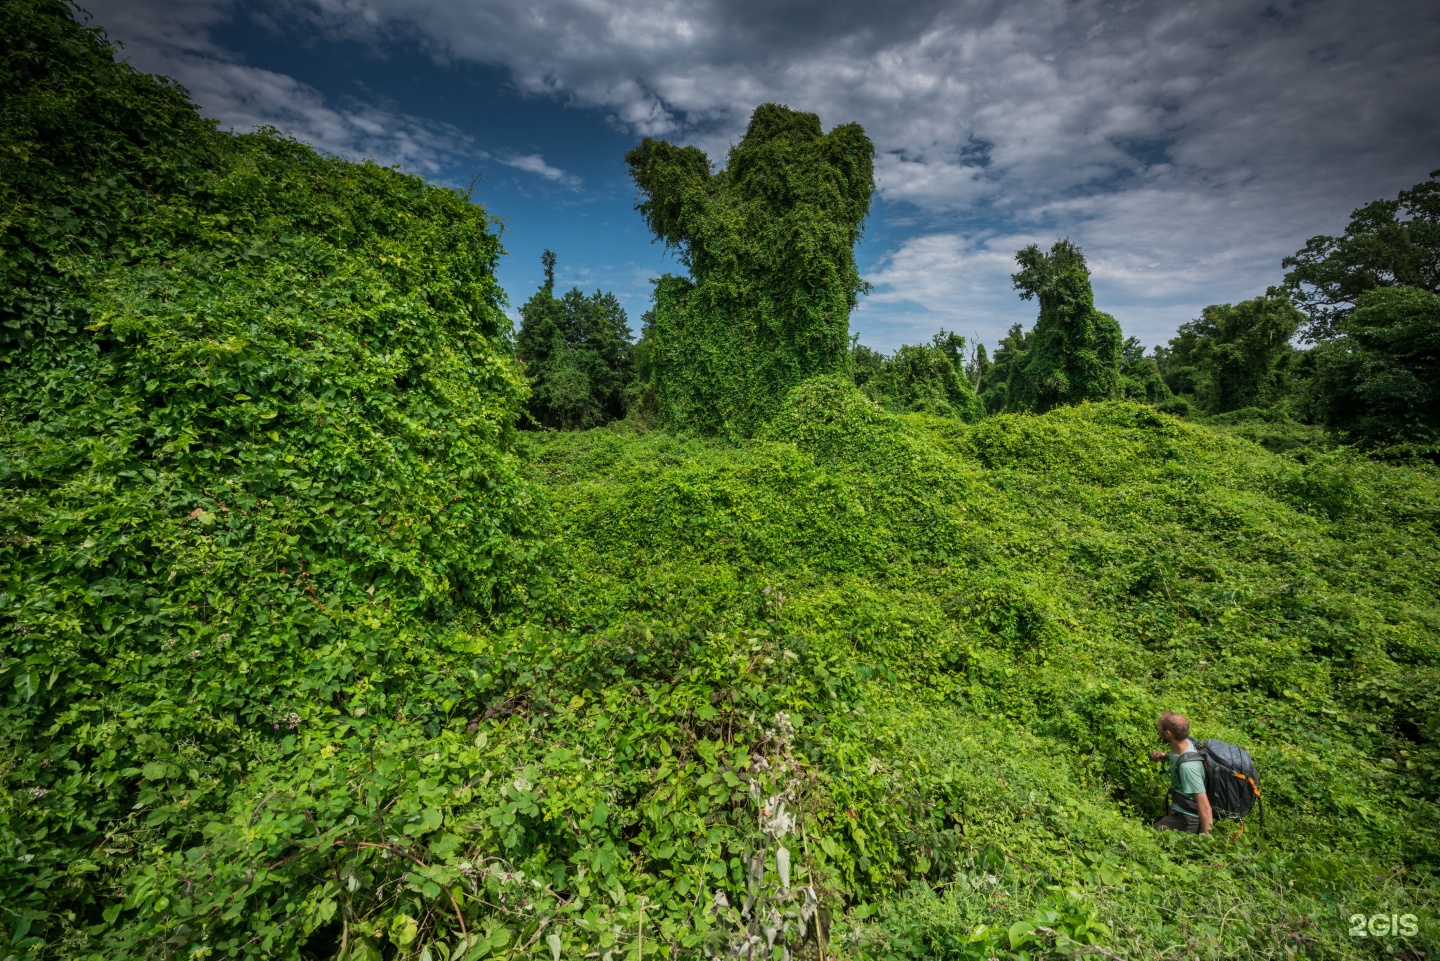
1173 728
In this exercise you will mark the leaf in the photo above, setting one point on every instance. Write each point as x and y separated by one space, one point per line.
403 929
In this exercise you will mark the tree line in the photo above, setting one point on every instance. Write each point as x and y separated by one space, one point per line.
1349 341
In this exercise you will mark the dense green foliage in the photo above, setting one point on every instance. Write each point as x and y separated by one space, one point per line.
255 455
919 378
1234 356
577 355
769 243
1379 380
1388 243
307 653
1073 352
983 621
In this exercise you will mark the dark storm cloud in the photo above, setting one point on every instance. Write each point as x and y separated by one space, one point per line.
1186 146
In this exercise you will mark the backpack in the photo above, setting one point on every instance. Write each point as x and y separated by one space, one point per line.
1231 781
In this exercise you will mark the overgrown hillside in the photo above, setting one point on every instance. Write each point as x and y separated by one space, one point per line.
980 624
307 654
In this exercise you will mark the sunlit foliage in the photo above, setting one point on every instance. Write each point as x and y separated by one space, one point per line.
769 245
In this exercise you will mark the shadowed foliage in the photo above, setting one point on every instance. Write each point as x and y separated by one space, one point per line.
577 354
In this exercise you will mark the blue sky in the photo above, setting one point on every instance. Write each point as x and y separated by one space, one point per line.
1187 147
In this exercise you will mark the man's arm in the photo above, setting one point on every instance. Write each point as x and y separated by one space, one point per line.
1207 817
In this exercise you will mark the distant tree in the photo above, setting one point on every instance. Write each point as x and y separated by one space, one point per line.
865 362
1140 375
1379 380
1073 352
977 366
1388 243
1009 357
1233 356
928 378
769 243
577 355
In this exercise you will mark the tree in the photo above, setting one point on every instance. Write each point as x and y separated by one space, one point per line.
928 378
1233 356
1379 380
1073 353
577 353
1388 243
977 366
769 244
865 362
1009 356
1140 374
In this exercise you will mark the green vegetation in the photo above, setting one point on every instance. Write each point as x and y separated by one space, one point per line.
921 378
1073 352
577 355
769 243
1371 304
307 652
1234 356
1388 243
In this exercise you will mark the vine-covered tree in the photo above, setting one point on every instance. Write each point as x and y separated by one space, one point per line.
1379 381
1140 377
1009 356
1388 243
1074 350
577 354
769 243
1234 356
928 378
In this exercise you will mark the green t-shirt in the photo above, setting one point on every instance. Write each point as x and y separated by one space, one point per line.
1187 778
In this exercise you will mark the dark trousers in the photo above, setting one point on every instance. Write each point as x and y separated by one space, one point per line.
1175 821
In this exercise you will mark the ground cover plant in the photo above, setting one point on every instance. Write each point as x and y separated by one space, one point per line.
308 653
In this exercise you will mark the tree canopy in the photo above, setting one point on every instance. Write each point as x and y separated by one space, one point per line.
926 378
577 353
1379 381
1234 356
1388 243
769 243
1073 352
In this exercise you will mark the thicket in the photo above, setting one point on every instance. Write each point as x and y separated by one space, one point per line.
577 352
984 620
769 243
919 378
256 456
307 652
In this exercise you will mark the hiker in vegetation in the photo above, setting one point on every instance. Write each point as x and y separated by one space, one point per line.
1189 804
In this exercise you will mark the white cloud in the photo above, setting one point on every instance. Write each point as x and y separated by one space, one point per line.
535 164
175 40
1187 147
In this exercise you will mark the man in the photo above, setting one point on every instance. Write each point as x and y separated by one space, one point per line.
1189 805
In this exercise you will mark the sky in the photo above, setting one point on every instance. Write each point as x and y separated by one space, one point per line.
1186 147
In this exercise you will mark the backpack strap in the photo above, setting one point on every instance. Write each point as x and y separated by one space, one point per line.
1185 803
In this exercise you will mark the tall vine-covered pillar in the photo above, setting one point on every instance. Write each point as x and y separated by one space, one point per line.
769 243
